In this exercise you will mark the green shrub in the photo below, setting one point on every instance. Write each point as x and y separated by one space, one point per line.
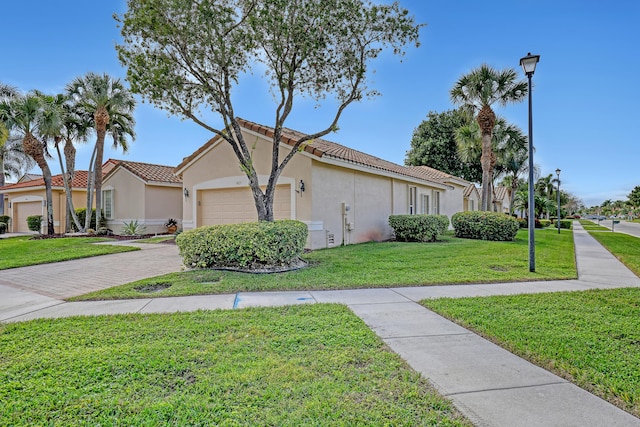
133 228
5 219
485 225
82 216
252 245
34 222
545 223
524 223
3 227
566 223
418 228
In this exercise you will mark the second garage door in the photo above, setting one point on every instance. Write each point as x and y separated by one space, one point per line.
22 210
235 205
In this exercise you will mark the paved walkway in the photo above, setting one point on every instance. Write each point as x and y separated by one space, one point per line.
488 384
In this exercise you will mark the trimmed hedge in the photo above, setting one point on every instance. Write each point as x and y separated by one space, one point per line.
524 223
34 222
485 225
545 223
566 223
5 219
418 228
3 227
251 245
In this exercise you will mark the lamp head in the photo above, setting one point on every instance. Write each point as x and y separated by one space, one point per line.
528 63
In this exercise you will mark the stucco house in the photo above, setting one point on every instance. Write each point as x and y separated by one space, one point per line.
501 199
27 197
343 195
144 192
148 193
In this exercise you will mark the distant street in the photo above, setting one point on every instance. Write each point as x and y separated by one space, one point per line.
632 228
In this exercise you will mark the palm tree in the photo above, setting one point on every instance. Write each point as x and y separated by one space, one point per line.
25 114
546 188
109 101
478 91
60 123
509 146
10 161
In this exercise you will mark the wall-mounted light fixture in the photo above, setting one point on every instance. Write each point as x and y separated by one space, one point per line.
301 186
186 193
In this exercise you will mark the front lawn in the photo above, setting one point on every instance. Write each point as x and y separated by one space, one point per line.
22 251
591 226
590 338
302 365
625 247
451 261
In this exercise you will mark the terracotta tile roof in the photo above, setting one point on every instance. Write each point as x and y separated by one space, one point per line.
149 172
470 189
79 181
500 193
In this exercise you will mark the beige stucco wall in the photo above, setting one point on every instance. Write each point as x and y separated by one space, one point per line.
371 197
219 168
150 205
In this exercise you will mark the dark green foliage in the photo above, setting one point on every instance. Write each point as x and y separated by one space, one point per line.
634 196
250 245
5 219
82 215
524 223
566 223
433 144
485 225
34 222
545 223
3 227
418 228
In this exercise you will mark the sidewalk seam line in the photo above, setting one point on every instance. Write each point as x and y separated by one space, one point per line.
509 388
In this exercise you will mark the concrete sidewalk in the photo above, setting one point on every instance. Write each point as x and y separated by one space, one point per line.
488 384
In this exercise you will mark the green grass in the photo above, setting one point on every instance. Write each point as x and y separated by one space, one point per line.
302 365
591 338
21 251
625 247
591 226
451 261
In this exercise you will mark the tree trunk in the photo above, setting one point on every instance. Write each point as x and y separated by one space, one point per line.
70 161
90 181
34 148
71 213
102 119
486 120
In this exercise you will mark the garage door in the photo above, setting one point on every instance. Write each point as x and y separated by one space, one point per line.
22 210
235 205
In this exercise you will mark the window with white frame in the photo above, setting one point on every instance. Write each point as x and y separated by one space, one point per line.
107 203
413 196
425 204
471 205
436 202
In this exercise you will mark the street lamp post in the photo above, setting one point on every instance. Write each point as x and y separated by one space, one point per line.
558 174
528 64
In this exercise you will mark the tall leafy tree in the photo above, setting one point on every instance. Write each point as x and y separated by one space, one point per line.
186 56
634 197
477 91
433 144
109 101
546 187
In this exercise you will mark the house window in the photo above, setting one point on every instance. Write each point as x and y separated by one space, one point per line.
425 204
413 193
436 202
471 205
107 203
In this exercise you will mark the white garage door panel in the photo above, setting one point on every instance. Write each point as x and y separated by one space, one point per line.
235 205
24 210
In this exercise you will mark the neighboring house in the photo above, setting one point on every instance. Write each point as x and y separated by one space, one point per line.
501 199
28 197
29 177
343 195
472 198
146 193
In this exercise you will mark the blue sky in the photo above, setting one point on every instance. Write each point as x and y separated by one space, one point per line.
585 99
